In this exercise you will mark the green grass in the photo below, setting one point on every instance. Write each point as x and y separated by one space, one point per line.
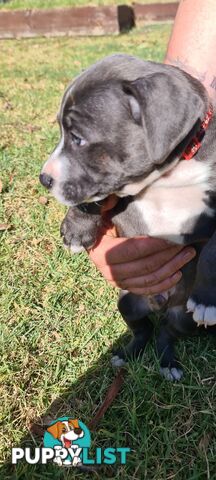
15 4
58 316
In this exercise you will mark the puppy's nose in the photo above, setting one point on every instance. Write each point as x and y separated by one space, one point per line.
46 180
78 431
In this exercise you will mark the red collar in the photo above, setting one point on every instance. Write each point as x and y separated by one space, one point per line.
195 143
191 150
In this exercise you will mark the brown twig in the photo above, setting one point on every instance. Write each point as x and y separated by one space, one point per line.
109 398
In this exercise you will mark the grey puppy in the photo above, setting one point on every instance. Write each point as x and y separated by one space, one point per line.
126 128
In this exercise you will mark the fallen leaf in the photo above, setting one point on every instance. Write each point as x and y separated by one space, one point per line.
8 106
11 178
56 336
43 200
205 441
5 226
35 241
33 128
81 308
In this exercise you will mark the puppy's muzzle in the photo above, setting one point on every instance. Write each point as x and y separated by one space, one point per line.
46 180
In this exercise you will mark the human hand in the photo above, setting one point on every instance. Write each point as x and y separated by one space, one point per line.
141 265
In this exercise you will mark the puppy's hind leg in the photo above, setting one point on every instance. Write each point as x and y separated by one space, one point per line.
134 310
177 324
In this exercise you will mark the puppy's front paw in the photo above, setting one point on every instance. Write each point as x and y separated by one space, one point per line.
75 248
70 241
79 230
202 314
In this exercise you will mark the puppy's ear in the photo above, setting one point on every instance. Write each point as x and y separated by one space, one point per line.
170 106
134 102
54 429
74 422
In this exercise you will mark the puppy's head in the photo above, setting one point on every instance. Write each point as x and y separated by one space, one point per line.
123 122
66 431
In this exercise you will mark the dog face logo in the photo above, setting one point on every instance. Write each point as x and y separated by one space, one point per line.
67 436
66 443
66 431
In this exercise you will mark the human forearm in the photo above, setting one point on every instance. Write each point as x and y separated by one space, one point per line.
192 45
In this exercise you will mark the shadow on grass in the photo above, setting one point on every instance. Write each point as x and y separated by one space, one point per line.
159 421
81 400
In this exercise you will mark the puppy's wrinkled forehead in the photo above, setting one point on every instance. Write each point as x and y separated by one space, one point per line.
89 103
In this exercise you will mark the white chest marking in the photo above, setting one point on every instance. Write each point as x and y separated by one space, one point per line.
170 206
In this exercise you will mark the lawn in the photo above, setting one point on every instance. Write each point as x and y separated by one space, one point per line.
15 4
58 316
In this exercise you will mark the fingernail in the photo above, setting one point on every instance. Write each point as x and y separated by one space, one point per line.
189 254
177 276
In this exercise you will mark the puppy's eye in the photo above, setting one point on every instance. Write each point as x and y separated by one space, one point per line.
77 140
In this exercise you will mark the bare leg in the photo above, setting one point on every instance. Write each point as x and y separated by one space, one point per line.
192 44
